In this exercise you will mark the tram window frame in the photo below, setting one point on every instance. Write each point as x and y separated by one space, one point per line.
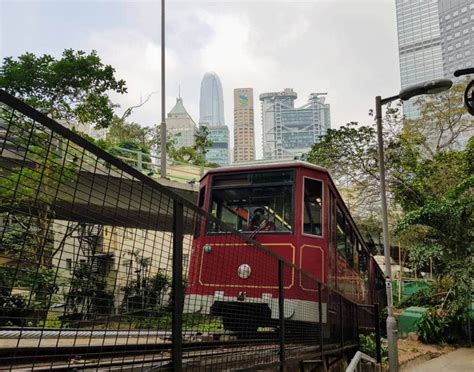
363 267
332 218
223 182
304 210
349 245
201 198
355 251
340 220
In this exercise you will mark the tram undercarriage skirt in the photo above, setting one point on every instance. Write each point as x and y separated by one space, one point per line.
242 316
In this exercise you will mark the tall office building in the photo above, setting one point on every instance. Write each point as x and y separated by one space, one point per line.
211 114
219 152
290 132
456 19
180 125
211 103
419 45
435 37
244 132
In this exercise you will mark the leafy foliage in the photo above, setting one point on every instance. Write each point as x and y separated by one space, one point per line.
369 347
88 295
73 88
447 302
146 292
430 179
195 154
432 328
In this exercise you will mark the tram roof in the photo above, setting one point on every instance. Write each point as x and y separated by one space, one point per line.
266 164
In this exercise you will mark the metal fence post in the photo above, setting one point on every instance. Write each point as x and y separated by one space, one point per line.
320 308
357 324
341 318
281 314
177 287
378 345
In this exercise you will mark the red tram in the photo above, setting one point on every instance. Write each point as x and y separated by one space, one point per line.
293 209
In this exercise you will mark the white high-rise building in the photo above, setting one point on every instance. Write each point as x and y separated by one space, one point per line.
180 125
290 131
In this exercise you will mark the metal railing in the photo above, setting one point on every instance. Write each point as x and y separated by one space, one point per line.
102 267
356 363
150 164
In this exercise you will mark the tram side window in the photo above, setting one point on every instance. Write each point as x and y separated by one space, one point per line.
363 263
340 233
312 209
349 245
356 248
202 194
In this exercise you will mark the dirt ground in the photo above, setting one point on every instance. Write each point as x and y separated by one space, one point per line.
410 349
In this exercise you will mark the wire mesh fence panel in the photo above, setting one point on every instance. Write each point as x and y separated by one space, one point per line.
103 267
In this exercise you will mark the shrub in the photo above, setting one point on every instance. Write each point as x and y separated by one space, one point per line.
369 347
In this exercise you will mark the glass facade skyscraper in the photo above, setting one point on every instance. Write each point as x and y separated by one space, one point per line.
211 114
211 103
456 19
288 131
419 45
435 38
219 153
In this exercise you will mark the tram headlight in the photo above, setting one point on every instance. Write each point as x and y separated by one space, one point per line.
244 271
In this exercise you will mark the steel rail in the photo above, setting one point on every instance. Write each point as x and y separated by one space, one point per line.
23 355
192 351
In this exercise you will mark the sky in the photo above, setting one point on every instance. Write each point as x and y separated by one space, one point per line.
347 48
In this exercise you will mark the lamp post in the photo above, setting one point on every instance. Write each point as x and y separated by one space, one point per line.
429 87
163 97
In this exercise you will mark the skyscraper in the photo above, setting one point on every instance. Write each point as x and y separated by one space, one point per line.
180 125
211 114
211 103
219 152
456 19
419 45
435 37
244 133
290 132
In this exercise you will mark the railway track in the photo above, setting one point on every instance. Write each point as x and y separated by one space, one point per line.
95 356
196 356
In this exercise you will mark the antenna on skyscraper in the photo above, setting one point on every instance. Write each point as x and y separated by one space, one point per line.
179 91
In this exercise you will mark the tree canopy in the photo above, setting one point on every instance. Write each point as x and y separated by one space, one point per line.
74 88
430 184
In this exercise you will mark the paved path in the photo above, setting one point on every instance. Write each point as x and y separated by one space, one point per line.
461 360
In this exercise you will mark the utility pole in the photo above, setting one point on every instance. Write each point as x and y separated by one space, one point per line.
163 96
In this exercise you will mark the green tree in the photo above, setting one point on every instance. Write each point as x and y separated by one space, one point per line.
430 183
441 226
88 295
72 89
442 123
202 144
146 291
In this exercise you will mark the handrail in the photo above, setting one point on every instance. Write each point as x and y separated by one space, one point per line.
140 163
356 360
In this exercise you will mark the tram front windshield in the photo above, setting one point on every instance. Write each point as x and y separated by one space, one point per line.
256 203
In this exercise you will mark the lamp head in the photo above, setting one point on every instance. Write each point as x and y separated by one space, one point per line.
427 87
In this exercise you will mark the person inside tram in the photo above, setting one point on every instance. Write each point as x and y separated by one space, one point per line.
260 221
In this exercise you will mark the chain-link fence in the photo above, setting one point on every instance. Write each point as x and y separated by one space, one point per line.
103 267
